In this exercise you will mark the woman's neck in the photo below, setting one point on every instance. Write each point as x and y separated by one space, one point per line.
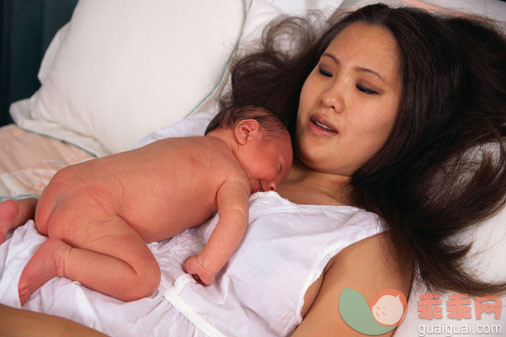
306 186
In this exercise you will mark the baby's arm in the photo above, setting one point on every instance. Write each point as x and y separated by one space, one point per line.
233 208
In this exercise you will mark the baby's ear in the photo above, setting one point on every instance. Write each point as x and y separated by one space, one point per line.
246 130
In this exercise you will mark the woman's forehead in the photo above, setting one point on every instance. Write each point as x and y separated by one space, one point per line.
366 47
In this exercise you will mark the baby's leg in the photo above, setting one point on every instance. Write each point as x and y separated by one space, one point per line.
14 213
107 256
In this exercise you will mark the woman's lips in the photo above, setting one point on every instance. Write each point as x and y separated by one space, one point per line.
321 126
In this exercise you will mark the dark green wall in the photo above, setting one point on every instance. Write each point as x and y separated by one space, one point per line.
27 27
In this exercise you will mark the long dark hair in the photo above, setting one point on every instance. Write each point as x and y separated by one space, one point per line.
443 168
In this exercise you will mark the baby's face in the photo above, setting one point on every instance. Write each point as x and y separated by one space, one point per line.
269 163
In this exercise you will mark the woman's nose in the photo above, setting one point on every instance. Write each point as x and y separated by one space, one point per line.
332 98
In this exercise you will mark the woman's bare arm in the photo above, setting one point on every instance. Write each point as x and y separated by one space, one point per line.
368 266
24 323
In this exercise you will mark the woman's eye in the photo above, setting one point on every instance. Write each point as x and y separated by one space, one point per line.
324 72
366 90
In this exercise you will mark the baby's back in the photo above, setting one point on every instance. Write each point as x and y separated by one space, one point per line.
159 190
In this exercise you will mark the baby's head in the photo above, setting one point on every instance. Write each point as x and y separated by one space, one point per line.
263 144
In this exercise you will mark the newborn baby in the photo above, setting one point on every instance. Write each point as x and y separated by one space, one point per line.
99 214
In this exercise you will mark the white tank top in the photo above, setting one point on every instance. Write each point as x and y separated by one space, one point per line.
260 291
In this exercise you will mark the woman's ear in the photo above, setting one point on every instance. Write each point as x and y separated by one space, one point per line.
246 130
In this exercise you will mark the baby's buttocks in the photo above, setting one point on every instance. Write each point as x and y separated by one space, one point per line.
72 199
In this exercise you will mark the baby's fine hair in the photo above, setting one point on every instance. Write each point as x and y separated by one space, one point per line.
267 120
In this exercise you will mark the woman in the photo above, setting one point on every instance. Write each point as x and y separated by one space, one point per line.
383 107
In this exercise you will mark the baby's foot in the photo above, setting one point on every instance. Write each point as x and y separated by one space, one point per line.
46 263
194 266
8 212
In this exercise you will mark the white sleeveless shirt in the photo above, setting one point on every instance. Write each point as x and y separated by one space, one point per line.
260 291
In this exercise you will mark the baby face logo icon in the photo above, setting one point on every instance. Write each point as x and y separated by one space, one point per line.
385 312
388 307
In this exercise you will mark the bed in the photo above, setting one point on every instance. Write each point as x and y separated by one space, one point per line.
122 73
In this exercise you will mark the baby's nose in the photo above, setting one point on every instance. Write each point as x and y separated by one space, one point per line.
273 187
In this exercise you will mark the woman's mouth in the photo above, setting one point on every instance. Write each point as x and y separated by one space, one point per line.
321 126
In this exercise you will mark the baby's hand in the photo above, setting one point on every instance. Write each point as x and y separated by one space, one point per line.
193 265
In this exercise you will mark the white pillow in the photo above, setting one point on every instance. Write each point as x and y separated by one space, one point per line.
123 68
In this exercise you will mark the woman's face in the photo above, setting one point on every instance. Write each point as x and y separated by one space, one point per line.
349 102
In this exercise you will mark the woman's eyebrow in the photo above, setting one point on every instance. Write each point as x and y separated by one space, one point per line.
361 69
367 70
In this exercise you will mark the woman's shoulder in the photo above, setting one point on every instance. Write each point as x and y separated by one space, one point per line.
368 266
